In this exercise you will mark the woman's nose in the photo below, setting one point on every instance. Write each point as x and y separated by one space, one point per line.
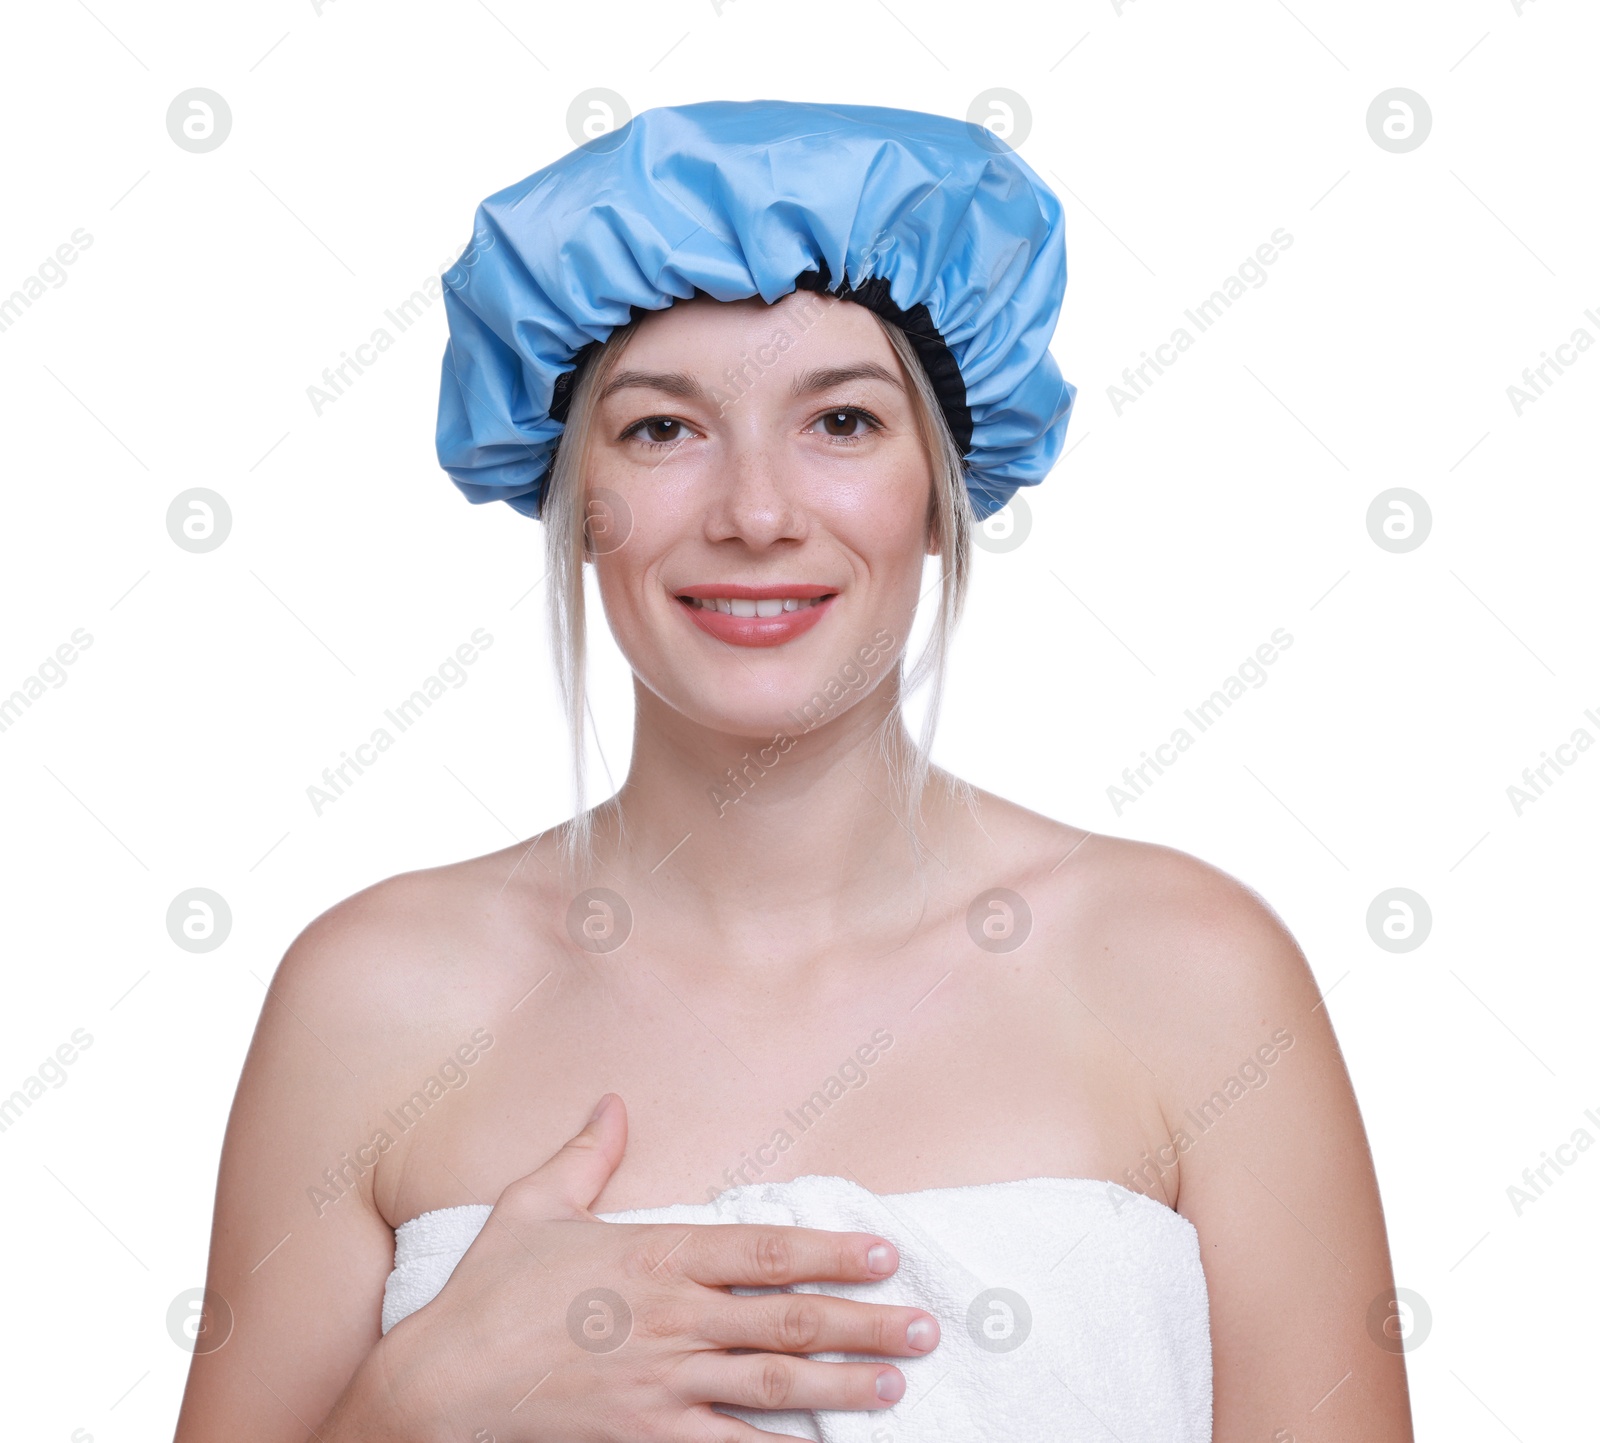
754 487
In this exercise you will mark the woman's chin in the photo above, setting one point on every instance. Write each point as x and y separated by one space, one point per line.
760 722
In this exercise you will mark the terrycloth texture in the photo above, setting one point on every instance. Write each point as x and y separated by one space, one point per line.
932 222
1118 1345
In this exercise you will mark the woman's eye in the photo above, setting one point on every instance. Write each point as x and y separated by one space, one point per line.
841 425
658 431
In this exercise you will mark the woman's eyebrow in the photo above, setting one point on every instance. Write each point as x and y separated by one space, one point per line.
828 376
681 383
674 383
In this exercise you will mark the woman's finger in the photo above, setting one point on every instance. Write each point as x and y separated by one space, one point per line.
816 1323
756 1255
777 1381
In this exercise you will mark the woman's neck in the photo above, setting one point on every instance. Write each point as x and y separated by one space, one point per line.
791 841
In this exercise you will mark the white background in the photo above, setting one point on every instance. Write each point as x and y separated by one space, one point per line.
1230 500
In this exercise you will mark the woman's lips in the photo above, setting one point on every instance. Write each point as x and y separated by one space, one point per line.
757 630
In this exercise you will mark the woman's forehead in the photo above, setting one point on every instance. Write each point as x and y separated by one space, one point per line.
837 329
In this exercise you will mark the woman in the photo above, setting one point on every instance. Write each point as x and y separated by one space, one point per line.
912 1101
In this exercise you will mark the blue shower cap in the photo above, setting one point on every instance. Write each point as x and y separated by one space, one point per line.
932 222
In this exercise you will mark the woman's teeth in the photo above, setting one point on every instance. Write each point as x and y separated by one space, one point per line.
744 606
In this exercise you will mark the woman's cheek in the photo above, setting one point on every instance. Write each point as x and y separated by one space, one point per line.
621 599
888 536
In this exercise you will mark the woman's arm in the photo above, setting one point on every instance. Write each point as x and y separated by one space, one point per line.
1273 1170
301 1275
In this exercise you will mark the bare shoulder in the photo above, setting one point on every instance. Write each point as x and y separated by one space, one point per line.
1228 994
1208 944
1189 965
404 988
1268 1157
404 955
1179 923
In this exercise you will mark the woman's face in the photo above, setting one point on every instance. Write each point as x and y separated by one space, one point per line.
759 500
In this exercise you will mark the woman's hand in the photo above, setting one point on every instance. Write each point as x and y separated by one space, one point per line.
555 1326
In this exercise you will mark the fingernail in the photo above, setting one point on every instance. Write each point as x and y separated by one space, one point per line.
891 1386
922 1334
880 1259
599 1108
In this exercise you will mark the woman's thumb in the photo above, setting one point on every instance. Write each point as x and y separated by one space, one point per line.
574 1177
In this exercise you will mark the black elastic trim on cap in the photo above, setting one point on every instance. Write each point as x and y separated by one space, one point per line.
936 357
561 392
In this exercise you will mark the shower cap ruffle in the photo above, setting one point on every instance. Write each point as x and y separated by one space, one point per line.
930 221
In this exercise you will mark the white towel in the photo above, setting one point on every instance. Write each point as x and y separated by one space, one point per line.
1112 1338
